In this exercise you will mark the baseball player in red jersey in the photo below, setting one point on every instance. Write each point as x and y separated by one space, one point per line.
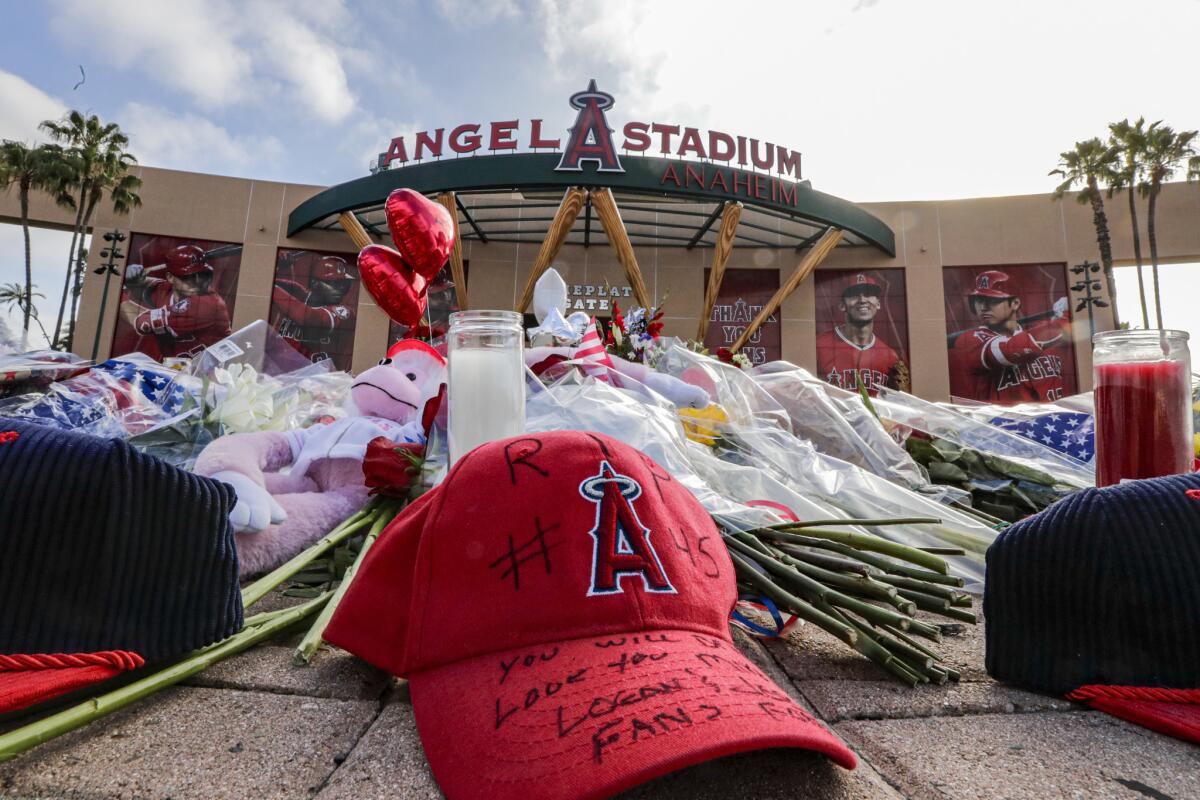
1001 362
313 319
851 354
181 312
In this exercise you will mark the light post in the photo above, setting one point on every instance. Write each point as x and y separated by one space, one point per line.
112 252
1087 283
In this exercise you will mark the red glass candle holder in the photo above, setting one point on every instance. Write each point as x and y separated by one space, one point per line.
1143 404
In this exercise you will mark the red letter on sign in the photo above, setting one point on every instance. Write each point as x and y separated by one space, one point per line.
395 152
465 144
536 140
502 138
762 163
433 145
691 143
720 146
789 161
671 175
666 131
636 138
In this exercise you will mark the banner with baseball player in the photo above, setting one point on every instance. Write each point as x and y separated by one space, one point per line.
443 300
1008 331
862 329
314 304
743 294
177 297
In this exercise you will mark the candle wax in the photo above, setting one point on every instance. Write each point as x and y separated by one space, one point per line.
487 397
1143 420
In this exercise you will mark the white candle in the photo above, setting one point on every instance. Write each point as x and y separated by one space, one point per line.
487 397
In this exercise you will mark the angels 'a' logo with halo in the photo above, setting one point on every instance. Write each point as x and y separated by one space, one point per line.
621 542
591 138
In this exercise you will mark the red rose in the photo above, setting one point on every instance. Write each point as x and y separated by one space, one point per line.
724 355
654 329
391 469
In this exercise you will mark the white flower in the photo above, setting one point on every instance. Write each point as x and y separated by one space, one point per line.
249 403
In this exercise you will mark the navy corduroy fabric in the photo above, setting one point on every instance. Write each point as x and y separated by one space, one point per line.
1103 587
105 548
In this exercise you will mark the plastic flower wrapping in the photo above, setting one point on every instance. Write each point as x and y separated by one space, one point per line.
759 471
243 383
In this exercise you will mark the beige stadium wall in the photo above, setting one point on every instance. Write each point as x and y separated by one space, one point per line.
929 235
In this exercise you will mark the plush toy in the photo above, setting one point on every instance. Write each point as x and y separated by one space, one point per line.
279 513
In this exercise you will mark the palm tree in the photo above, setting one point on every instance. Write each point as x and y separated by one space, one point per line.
31 168
1089 164
13 294
1130 139
1165 150
100 163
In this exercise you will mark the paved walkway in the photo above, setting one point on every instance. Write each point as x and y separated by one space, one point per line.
256 727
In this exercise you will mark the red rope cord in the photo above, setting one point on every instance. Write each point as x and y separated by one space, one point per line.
119 659
1150 694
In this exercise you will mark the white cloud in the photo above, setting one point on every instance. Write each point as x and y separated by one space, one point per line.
161 138
23 107
221 52
928 99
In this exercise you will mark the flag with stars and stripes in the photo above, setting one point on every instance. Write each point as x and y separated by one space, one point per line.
1069 432
154 382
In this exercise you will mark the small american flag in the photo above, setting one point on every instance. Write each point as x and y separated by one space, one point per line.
156 385
591 350
1069 432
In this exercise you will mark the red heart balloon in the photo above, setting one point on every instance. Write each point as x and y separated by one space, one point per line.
422 230
397 289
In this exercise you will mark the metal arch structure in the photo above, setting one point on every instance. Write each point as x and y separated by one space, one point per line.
664 202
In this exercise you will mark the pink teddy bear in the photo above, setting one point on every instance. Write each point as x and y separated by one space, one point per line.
278 514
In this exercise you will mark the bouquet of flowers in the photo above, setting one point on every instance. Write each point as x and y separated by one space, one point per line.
629 335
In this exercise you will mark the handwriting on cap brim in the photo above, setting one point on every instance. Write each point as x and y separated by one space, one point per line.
654 670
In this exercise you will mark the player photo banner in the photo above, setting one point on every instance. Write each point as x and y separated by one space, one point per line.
314 304
743 294
1008 332
862 329
177 296
442 301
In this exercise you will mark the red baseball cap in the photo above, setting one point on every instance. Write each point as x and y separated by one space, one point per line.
861 281
991 284
187 259
560 606
331 268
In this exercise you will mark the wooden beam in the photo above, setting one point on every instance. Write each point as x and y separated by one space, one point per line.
459 274
357 232
812 258
564 218
610 217
729 224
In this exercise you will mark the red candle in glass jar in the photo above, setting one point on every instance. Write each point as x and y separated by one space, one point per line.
1143 405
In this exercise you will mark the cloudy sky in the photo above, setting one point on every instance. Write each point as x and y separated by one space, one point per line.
887 99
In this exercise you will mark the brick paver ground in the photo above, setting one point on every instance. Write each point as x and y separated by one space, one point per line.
257 727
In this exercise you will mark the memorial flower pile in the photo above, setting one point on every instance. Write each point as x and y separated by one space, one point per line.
629 335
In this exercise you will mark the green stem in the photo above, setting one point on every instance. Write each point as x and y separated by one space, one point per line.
861 555
825 560
18 741
867 541
312 640
264 585
814 591
862 523
790 603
